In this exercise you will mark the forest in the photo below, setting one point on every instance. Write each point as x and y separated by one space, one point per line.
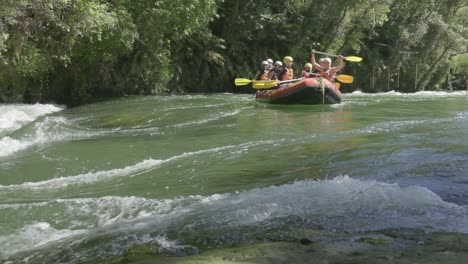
77 51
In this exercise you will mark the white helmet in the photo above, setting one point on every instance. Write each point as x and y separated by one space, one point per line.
278 63
270 61
325 60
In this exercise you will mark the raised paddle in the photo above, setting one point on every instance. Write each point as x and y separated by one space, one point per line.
348 58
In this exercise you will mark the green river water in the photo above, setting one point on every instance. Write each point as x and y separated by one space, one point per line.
182 175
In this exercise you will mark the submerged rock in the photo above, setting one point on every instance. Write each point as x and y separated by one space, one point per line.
387 246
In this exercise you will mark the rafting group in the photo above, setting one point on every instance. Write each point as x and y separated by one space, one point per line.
275 82
283 71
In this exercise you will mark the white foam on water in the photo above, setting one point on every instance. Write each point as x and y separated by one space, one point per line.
376 205
392 126
424 94
208 119
51 129
82 218
58 128
130 170
86 178
341 196
9 145
342 203
14 116
96 212
185 107
33 236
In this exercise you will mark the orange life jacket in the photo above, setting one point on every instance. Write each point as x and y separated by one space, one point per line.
288 74
264 76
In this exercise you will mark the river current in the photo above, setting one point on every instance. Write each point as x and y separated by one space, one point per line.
192 172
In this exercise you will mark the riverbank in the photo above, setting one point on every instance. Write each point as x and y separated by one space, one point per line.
388 246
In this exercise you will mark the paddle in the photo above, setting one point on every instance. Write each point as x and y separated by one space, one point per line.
341 77
345 78
348 58
270 84
242 81
263 84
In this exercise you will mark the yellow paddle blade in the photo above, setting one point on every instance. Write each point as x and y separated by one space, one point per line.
242 81
353 58
264 84
345 78
337 85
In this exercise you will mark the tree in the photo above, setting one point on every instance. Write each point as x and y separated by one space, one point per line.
73 51
460 71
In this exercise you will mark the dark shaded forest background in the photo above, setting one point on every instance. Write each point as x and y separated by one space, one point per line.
77 51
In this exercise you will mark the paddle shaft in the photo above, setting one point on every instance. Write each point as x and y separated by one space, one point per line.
327 54
348 58
271 84
292 80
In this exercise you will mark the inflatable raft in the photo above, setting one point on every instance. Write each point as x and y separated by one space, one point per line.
306 91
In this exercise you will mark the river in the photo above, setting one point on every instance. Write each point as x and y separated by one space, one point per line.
185 174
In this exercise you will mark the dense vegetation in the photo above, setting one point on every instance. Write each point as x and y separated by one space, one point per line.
73 51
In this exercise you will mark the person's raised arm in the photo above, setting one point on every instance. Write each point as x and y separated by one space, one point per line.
338 68
314 63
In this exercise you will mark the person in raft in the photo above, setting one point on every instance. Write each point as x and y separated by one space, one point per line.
326 71
273 75
270 64
262 73
286 72
307 71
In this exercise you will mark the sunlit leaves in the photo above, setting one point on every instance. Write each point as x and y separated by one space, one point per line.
460 63
92 45
85 48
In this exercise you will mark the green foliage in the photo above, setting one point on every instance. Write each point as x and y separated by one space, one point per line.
459 77
74 51
460 63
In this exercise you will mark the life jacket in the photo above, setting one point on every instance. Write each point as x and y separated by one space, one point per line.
263 76
287 74
273 75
